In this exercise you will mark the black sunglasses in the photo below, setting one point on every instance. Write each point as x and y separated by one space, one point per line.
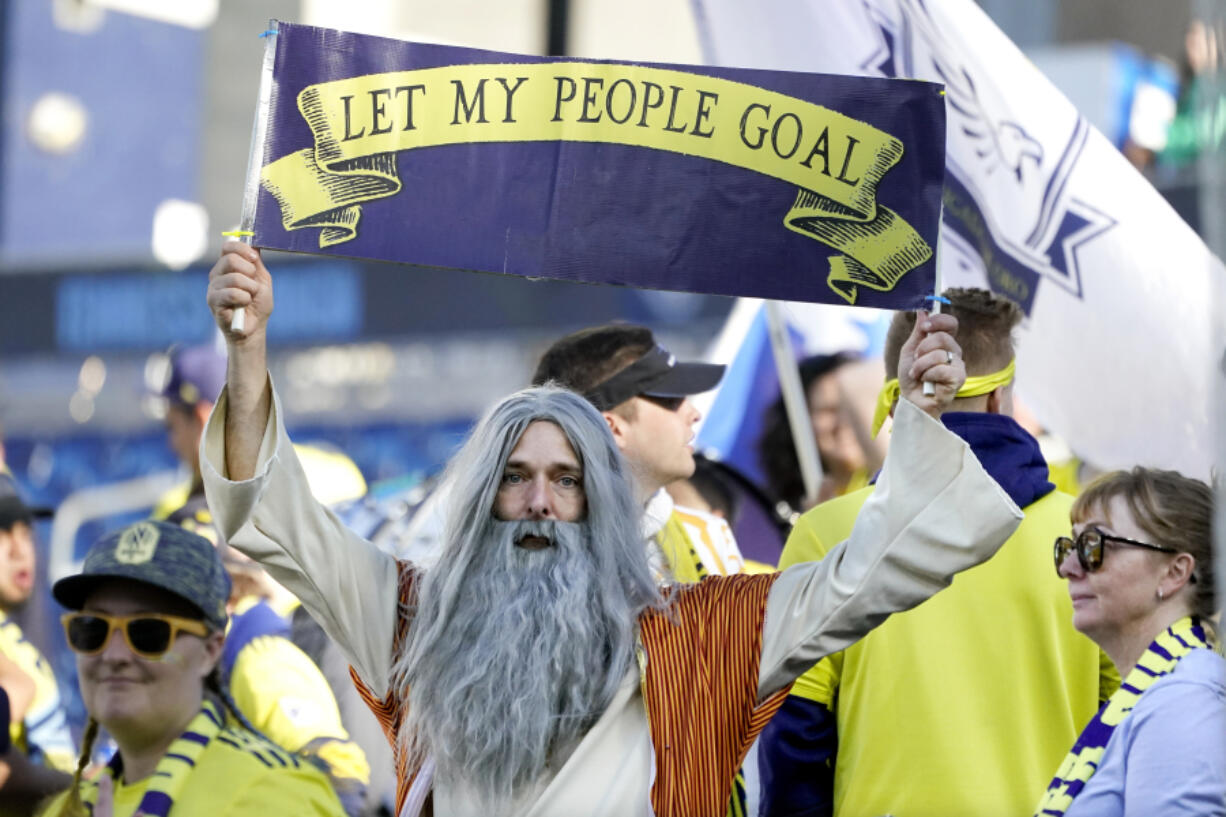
668 403
1089 547
149 635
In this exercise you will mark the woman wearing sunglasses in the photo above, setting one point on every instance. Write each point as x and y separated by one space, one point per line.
147 621
1140 574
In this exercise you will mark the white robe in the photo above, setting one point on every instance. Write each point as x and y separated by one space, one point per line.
935 512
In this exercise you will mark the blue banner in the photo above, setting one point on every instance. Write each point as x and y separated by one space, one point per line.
699 179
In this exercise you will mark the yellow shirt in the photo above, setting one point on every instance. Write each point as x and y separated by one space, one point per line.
333 478
43 732
238 775
963 706
284 695
710 540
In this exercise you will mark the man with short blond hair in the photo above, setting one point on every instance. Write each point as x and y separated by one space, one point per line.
965 704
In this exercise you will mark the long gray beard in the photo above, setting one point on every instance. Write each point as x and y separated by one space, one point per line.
518 665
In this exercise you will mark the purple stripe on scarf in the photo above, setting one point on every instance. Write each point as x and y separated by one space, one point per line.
156 803
212 715
1097 734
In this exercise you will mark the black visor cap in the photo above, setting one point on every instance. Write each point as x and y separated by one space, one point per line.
656 374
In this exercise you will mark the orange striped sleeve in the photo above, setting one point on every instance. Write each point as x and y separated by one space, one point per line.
388 710
701 691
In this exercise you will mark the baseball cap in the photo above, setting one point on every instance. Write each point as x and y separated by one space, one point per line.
196 373
156 553
656 374
13 508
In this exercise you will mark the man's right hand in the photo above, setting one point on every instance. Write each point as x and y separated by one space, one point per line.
240 279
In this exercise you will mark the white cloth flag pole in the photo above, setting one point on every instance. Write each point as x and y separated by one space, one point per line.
794 403
1116 352
251 191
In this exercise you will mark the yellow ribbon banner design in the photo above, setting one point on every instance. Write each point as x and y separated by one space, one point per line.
359 125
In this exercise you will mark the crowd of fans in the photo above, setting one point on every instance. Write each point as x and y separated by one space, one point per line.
586 635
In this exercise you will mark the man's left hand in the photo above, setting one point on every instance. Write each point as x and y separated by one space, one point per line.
931 355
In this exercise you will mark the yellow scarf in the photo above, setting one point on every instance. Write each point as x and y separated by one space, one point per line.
175 766
973 387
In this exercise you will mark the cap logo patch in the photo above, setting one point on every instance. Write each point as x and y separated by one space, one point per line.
137 544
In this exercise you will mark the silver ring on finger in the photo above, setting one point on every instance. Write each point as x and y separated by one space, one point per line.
949 357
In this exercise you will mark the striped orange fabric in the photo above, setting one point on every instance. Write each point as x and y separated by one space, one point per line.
700 690
388 710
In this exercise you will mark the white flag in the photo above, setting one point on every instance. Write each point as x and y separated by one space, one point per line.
1116 354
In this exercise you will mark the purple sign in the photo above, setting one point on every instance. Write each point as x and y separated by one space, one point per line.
700 179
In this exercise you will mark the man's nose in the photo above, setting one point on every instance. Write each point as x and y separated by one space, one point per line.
540 499
692 412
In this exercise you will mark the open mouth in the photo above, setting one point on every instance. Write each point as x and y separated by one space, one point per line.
533 542
24 579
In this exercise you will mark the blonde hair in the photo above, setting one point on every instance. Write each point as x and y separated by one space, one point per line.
73 805
1174 510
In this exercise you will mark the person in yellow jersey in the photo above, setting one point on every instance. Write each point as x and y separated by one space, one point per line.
962 706
276 685
147 620
194 377
37 725
273 682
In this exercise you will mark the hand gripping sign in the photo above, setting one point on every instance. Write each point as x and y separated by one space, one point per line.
769 184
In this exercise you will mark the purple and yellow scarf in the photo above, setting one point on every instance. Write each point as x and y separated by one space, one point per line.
1083 759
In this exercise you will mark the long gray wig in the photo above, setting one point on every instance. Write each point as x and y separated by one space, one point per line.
513 654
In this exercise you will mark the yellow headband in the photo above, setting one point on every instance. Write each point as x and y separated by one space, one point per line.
973 387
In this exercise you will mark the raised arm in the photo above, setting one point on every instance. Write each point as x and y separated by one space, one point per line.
935 511
240 279
259 495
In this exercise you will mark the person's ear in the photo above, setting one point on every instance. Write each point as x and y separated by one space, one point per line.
619 426
214 643
1177 574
